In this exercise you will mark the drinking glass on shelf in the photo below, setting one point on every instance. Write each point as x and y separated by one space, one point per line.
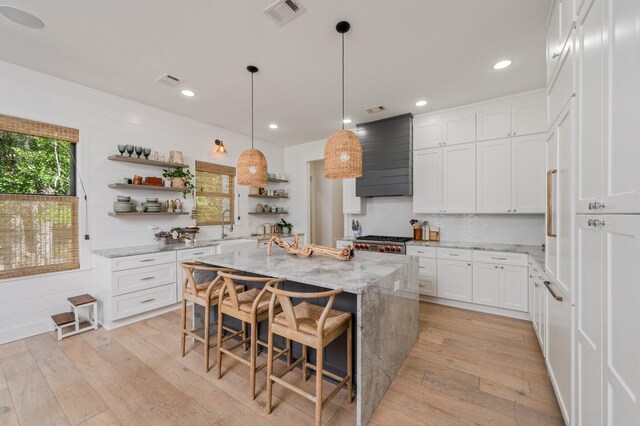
147 152
122 149
130 149
138 151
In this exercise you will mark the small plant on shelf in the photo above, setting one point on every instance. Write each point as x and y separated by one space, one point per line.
180 178
161 237
285 225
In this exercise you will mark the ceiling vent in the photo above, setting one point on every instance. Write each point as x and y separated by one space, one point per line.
168 80
284 11
375 109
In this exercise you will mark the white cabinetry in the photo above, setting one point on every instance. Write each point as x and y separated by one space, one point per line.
528 115
427 269
428 131
187 256
350 203
459 179
493 121
459 126
455 280
427 181
502 283
537 302
494 176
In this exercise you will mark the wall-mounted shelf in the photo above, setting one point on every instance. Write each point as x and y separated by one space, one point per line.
136 160
113 214
268 196
268 212
273 180
147 187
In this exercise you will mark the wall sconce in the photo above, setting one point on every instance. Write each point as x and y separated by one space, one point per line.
221 149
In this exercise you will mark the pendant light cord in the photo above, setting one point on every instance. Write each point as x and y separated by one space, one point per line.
342 81
252 110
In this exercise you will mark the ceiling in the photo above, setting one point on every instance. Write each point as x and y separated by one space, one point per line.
396 54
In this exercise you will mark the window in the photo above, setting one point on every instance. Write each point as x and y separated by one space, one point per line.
215 189
38 206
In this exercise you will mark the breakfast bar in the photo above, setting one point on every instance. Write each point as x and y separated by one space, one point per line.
381 292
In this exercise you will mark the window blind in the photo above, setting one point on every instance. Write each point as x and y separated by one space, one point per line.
215 189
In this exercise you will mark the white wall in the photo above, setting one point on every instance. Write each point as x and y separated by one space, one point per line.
104 121
326 207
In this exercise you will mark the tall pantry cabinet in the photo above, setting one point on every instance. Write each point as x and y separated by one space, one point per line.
603 48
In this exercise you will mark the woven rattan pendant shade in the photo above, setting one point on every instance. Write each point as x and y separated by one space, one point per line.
252 165
252 168
343 156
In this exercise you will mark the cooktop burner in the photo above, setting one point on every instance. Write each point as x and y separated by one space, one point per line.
384 238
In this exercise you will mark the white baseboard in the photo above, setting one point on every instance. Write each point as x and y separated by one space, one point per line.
140 317
478 308
26 330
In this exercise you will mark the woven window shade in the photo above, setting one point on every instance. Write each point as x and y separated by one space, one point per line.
36 128
39 234
215 189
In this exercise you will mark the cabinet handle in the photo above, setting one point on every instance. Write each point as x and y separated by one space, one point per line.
148 300
196 254
513 134
596 205
421 267
147 278
553 293
147 260
495 266
418 251
454 254
536 285
550 194
502 267
555 55
468 264
595 222
498 258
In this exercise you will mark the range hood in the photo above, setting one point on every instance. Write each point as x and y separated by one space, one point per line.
387 157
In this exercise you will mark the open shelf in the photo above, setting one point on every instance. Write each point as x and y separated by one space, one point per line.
273 180
268 212
147 214
268 196
147 187
136 160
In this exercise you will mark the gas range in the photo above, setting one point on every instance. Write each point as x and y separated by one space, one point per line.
381 244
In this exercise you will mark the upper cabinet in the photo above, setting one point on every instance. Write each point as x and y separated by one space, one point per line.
459 127
427 131
520 116
494 121
459 179
427 181
562 18
494 176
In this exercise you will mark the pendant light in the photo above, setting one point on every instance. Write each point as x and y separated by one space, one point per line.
252 166
343 152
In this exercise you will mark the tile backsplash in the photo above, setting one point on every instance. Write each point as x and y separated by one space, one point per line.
391 215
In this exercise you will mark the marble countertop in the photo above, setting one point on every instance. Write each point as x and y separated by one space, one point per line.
351 276
156 248
536 252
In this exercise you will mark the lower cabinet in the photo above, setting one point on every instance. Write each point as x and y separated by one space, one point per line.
455 280
502 286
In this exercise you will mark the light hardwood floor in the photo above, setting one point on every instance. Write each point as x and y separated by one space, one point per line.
466 368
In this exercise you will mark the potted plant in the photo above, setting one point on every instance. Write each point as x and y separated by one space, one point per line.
180 178
285 226
161 237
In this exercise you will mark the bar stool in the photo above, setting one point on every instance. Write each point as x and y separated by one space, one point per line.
314 326
250 307
205 295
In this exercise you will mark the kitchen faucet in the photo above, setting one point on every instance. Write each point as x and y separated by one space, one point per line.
230 227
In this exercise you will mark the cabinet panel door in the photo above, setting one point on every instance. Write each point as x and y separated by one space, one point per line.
551 241
493 121
622 339
622 153
589 297
486 284
455 280
459 179
351 203
459 127
553 40
427 286
493 176
559 350
567 18
590 101
513 291
529 116
427 181
528 178
427 132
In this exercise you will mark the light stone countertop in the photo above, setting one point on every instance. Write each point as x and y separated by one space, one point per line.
156 248
352 276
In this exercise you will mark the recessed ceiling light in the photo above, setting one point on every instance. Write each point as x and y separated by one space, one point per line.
188 93
346 121
21 17
502 64
421 102
273 126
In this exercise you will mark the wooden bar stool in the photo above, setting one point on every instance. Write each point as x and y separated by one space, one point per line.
250 307
314 326
203 294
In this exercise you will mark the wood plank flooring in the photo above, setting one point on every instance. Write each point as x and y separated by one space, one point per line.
466 368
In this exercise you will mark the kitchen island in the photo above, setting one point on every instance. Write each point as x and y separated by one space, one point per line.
380 290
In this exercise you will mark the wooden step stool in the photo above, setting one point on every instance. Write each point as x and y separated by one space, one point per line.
71 319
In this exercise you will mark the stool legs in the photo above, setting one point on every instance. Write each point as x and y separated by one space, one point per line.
183 325
254 354
319 362
350 361
207 326
304 363
269 370
219 337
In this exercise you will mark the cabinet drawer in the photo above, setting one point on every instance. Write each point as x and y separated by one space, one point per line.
427 267
421 251
130 304
427 286
500 258
184 255
129 262
455 254
131 280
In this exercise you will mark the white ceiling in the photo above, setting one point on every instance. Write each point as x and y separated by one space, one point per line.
397 52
